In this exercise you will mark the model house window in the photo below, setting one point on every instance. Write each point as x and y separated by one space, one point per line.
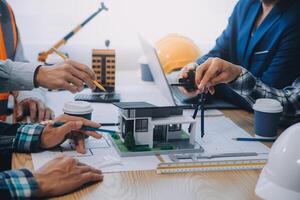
141 125
174 127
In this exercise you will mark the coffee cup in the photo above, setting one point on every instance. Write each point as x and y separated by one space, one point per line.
145 70
267 113
79 109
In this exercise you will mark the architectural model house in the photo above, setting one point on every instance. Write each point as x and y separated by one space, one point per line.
154 127
103 64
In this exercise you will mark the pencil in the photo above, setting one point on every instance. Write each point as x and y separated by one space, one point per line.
98 85
86 128
254 139
65 58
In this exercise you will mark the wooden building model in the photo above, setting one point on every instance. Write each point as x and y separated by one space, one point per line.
104 65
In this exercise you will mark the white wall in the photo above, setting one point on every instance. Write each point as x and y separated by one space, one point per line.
43 22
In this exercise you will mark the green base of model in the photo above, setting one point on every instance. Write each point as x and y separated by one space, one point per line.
127 146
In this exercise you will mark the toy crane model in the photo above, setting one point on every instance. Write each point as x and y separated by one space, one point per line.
43 55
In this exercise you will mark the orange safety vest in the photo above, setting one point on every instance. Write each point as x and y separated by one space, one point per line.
8 45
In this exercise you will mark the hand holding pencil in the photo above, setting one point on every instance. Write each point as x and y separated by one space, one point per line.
69 75
65 58
68 127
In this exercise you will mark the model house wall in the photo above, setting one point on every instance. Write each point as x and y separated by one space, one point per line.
150 124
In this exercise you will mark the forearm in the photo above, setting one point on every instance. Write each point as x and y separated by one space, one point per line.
17 138
16 76
252 88
18 184
20 137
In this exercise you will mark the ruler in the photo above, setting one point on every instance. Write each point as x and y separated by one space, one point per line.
207 166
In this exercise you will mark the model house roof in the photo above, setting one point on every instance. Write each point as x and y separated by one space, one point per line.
133 105
144 109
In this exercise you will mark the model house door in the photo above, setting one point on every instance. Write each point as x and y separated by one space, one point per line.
127 126
160 133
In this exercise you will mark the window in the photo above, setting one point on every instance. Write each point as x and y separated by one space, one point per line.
141 125
174 127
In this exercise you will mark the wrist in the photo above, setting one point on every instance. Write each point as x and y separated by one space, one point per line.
42 182
37 76
21 184
237 72
27 138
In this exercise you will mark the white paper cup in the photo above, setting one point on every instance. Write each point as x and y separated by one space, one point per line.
267 113
79 109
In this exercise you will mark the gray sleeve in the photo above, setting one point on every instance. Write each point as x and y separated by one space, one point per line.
16 75
252 88
20 56
38 93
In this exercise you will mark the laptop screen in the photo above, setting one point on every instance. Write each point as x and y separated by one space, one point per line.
157 71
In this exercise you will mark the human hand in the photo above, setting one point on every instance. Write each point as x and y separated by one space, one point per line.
53 136
63 175
184 74
34 108
69 75
215 71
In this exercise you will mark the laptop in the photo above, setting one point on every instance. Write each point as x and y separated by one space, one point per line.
224 98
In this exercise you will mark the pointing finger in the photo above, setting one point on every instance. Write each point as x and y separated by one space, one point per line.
93 134
80 144
201 70
68 127
90 123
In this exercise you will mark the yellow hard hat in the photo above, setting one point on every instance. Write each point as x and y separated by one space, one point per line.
175 51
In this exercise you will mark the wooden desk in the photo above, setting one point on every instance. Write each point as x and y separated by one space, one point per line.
148 185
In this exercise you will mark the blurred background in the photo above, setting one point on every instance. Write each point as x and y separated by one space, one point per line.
42 23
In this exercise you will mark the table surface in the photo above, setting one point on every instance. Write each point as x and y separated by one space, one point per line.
149 185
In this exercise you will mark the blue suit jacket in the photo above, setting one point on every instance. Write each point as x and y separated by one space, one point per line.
272 54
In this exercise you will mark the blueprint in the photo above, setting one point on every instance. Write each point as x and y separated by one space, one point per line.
101 154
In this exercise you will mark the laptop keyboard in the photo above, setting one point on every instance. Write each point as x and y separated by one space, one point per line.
182 97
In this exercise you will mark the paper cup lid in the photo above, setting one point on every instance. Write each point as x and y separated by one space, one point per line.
77 107
268 106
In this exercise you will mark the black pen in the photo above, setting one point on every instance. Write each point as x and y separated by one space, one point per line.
254 139
202 99
109 124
